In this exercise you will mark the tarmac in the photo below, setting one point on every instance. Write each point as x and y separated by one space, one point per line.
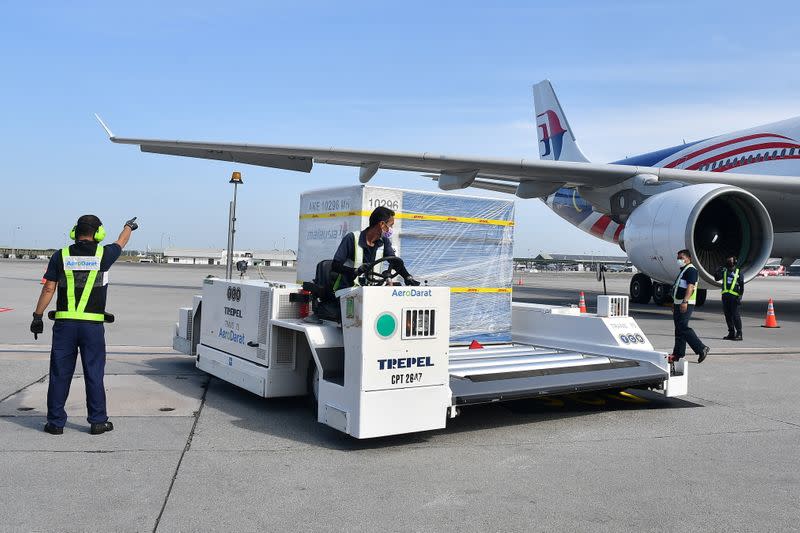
193 453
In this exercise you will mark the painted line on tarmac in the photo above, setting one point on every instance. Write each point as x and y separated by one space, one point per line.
756 351
119 348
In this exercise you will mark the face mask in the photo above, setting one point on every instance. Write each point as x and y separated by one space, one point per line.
680 262
388 233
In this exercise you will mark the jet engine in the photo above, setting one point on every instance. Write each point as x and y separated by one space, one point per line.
712 221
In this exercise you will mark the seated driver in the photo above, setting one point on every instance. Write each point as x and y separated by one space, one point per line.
360 248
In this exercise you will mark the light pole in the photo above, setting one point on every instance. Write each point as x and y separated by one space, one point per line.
169 242
14 240
236 179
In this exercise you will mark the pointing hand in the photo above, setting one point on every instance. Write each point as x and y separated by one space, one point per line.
132 224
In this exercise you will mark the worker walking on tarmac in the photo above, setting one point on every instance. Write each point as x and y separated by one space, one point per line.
732 290
358 249
79 273
684 295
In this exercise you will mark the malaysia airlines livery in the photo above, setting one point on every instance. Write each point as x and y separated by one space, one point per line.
734 194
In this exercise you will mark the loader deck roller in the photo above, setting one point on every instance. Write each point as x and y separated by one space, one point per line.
513 372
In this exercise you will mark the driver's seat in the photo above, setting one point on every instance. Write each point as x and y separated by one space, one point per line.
324 302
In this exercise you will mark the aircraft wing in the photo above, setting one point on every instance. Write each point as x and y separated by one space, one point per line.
528 178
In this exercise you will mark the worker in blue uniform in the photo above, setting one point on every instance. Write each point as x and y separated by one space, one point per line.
78 274
684 298
732 291
360 248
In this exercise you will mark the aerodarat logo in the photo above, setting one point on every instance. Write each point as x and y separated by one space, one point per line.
230 335
412 292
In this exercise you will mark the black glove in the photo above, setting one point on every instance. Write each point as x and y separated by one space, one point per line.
37 326
132 224
361 270
411 282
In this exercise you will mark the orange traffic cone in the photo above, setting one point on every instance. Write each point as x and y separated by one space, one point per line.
582 303
771 321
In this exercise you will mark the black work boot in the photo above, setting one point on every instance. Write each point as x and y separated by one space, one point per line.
102 427
738 337
729 337
53 429
703 354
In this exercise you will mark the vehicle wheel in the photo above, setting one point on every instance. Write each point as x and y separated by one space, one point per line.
701 297
660 293
641 289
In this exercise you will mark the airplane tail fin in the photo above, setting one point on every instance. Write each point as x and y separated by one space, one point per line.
556 140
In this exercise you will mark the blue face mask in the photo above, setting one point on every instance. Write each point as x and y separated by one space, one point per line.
388 233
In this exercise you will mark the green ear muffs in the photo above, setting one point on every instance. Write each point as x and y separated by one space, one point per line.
99 234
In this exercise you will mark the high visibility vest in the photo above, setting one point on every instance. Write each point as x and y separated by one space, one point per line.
693 298
77 311
357 261
730 288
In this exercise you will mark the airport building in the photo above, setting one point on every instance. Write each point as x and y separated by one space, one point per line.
571 262
215 256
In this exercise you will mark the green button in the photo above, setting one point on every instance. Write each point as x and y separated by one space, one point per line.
386 325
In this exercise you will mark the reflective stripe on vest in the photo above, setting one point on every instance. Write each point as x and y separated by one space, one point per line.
77 312
732 288
693 297
358 260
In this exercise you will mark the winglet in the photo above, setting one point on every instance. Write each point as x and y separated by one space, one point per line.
108 131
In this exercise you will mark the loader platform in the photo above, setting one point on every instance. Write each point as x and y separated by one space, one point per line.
516 371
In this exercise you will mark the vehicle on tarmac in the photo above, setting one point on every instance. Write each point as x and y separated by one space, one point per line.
731 194
377 358
772 270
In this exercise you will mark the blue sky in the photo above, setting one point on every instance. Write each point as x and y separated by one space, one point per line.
446 77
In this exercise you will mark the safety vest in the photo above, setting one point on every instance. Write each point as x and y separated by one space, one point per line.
675 288
730 288
80 271
357 261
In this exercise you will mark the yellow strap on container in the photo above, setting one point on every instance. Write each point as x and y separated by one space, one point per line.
481 290
335 214
412 216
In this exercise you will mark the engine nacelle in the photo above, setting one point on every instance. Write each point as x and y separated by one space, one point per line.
712 221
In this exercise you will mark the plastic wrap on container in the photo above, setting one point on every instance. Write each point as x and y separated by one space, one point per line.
474 257
461 242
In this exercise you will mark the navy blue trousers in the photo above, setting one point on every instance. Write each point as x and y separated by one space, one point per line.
683 333
68 336
732 307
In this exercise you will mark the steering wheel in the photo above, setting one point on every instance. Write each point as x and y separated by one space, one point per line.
372 278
